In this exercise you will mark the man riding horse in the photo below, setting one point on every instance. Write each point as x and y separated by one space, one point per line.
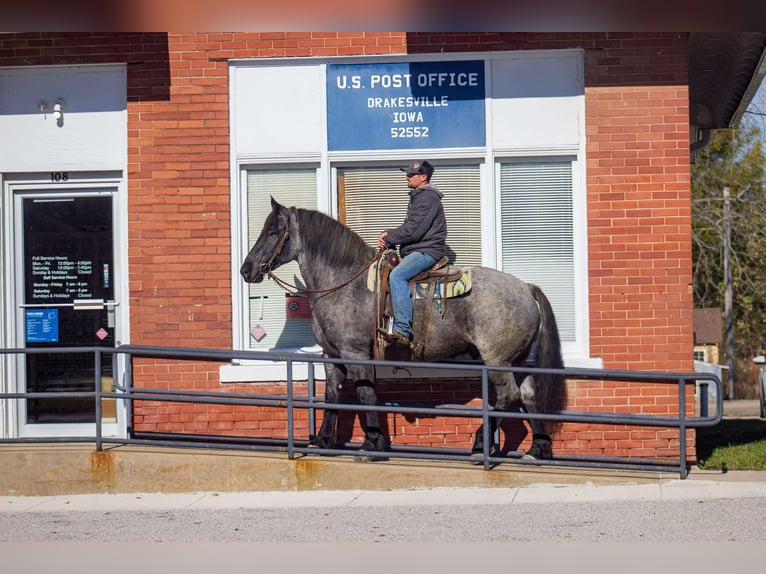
422 240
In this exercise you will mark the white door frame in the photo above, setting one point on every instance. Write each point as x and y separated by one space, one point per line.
55 185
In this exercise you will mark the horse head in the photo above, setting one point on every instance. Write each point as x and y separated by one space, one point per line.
273 246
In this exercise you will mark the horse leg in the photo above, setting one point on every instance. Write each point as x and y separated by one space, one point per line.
541 441
374 439
506 392
327 436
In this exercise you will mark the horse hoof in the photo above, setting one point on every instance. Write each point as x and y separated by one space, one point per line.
541 448
477 457
323 443
363 458
368 458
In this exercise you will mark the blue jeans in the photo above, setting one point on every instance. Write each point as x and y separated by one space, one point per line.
401 297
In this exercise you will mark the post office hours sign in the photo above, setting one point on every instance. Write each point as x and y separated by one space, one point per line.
405 105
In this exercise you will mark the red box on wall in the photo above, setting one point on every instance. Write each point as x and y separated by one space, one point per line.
297 307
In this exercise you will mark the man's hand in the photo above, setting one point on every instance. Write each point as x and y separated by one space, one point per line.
382 240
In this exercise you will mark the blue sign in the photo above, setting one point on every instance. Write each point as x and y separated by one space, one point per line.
42 325
405 105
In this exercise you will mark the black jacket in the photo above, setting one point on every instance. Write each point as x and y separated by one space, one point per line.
425 227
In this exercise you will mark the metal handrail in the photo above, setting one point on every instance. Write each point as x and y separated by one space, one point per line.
290 401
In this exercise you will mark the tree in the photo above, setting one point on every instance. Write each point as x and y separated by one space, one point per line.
733 159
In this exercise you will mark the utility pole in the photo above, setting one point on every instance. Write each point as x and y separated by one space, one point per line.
728 298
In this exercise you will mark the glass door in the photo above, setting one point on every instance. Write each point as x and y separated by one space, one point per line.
68 289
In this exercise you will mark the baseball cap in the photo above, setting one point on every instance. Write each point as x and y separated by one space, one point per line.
419 166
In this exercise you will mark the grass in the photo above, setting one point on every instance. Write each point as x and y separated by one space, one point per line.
732 444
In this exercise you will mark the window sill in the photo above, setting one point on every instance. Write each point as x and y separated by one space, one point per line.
276 371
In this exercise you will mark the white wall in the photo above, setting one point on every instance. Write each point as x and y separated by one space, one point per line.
279 109
92 134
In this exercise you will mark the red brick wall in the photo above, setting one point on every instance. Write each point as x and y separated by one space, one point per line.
638 193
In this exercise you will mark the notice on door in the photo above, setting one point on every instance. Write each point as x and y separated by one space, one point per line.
42 325
59 279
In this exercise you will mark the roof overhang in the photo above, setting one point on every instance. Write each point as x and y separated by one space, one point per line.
725 71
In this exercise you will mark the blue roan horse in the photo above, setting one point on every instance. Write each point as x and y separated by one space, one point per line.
499 320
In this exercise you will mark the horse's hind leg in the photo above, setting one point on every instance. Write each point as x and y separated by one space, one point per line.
327 436
533 402
506 392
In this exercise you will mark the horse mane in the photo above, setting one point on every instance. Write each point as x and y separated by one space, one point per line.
326 238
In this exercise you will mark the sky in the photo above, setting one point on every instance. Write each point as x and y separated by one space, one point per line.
758 106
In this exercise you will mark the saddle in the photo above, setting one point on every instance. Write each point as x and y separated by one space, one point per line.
437 284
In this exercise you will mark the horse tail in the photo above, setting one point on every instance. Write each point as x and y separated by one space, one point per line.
550 388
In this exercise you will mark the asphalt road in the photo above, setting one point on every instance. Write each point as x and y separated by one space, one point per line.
690 525
711 521
694 511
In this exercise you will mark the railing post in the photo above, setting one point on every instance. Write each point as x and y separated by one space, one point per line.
703 399
312 399
290 417
128 390
485 416
99 445
682 426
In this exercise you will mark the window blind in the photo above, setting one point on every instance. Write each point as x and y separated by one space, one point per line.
537 232
290 187
375 198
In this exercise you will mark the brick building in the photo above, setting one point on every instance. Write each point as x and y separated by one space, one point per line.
136 169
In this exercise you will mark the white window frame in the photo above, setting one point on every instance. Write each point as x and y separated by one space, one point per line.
575 353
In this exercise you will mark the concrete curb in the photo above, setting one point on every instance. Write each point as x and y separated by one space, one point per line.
535 494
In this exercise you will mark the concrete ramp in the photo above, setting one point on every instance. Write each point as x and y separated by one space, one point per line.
55 469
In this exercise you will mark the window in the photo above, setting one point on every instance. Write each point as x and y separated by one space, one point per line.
268 326
537 234
514 201
375 198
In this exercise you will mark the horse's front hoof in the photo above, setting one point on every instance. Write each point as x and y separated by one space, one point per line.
366 457
541 449
322 442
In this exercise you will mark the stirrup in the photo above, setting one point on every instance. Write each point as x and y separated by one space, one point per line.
395 337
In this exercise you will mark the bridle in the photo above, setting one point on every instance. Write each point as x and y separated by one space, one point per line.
265 268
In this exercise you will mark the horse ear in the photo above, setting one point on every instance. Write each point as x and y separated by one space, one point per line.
275 206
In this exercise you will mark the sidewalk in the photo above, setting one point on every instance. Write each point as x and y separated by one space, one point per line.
742 408
699 485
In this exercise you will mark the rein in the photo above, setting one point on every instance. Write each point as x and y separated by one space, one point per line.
266 267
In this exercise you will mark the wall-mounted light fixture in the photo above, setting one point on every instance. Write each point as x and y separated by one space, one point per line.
57 107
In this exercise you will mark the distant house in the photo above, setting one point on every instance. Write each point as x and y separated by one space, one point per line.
708 334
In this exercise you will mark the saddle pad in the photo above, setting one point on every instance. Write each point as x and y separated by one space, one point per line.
447 290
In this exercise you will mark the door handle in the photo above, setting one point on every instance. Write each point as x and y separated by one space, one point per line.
77 304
